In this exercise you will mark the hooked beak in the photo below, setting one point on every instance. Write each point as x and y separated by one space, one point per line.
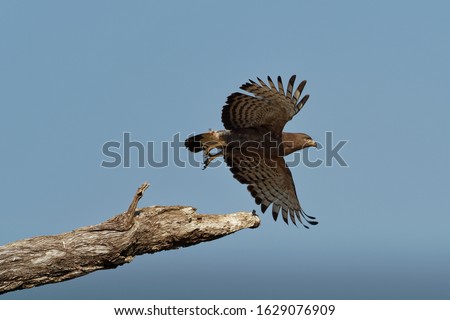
311 143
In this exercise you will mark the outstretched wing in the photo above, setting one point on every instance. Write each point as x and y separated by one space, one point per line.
269 182
268 106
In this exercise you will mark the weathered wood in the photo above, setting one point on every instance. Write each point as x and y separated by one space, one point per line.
48 259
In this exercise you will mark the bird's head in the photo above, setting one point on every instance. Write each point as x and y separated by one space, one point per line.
306 141
296 141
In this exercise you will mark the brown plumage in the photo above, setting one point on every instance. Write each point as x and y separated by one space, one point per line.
254 144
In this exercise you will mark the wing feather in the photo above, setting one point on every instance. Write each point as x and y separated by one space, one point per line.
269 182
272 85
263 105
280 85
289 87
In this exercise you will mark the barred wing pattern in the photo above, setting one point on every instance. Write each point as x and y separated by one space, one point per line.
269 107
269 182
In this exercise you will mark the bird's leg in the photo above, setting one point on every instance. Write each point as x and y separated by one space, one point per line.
210 157
211 145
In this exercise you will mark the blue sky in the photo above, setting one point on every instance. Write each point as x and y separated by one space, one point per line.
75 75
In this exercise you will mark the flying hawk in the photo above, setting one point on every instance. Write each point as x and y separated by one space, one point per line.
254 144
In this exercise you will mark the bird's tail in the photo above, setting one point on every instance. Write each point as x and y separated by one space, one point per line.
194 143
200 142
206 142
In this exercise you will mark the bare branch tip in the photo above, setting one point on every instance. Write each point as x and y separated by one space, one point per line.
143 187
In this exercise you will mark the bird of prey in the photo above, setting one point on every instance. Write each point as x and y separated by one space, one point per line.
254 144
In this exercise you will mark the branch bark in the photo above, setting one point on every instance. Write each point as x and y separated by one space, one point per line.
49 259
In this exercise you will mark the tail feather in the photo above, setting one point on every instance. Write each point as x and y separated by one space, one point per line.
205 142
195 143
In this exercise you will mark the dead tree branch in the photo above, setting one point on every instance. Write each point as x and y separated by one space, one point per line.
48 259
